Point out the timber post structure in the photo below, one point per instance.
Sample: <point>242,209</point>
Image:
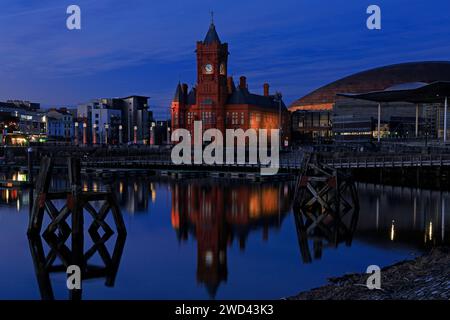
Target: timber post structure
<point>326,207</point>
<point>58,231</point>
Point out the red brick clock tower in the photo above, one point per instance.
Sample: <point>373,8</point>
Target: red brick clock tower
<point>218,103</point>
<point>211,97</point>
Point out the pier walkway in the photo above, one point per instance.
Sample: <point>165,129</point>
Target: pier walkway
<point>390,161</point>
<point>288,162</point>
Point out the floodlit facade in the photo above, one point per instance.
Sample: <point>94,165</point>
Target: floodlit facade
<point>218,103</point>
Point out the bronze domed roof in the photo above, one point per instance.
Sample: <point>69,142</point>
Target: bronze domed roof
<point>375,80</point>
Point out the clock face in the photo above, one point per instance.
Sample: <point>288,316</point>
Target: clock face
<point>209,68</point>
<point>223,69</point>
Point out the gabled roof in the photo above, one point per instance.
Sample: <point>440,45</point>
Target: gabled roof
<point>211,36</point>
<point>243,96</point>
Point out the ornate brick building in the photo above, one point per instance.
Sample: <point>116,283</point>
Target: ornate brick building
<point>218,103</point>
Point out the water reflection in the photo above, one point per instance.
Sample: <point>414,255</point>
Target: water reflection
<point>218,213</point>
<point>74,225</point>
<point>132,194</point>
<point>217,216</point>
<point>324,231</point>
<point>411,217</point>
<point>14,198</point>
<point>45,261</point>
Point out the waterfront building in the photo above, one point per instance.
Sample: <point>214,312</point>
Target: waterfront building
<point>311,126</point>
<point>105,123</point>
<point>22,122</point>
<point>218,103</point>
<point>420,97</point>
<point>136,119</point>
<point>125,120</point>
<point>60,124</point>
<point>356,120</point>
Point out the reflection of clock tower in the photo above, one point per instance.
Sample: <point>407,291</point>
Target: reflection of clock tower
<point>212,58</point>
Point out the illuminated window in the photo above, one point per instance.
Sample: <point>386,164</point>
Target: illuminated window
<point>209,258</point>
<point>234,119</point>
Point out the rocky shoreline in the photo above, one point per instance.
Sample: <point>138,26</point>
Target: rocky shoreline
<point>424,278</point>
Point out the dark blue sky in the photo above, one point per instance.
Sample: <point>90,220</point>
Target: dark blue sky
<point>144,47</point>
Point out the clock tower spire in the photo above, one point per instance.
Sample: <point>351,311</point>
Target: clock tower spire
<point>212,61</point>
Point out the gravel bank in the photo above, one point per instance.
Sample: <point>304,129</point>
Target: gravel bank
<point>424,278</point>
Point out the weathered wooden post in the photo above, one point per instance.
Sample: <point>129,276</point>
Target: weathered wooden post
<point>323,197</point>
<point>77,204</point>
<point>41,191</point>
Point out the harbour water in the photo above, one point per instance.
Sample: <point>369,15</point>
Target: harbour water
<point>225,239</point>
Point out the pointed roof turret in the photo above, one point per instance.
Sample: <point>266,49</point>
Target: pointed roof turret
<point>178,94</point>
<point>212,36</point>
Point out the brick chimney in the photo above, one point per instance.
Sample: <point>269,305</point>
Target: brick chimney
<point>230,85</point>
<point>243,82</point>
<point>266,89</point>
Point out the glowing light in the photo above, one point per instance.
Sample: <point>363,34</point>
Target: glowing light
<point>153,192</point>
<point>209,258</point>
<point>430,231</point>
<point>175,219</point>
<point>20,177</point>
<point>393,230</point>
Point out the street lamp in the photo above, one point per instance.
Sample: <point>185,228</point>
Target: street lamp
<point>106,133</point>
<point>94,134</point>
<point>84,133</point>
<point>5,133</point>
<point>168,135</point>
<point>30,164</point>
<point>76,133</point>
<point>120,134</point>
<point>135,134</point>
<point>152,134</point>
